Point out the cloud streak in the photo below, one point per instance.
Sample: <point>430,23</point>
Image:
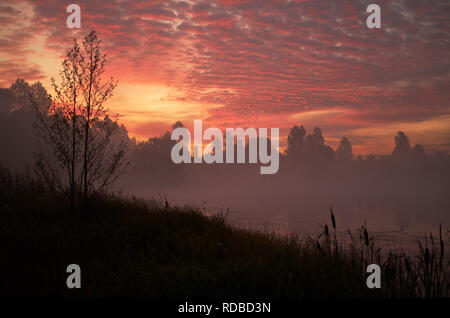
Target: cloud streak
<point>260,62</point>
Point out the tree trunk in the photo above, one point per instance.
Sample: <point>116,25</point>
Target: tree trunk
<point>86,138</point>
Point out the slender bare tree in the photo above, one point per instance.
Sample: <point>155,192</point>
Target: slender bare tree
<point>87,142</point>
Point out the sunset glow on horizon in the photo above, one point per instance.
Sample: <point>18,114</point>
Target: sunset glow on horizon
<point>254,64</point>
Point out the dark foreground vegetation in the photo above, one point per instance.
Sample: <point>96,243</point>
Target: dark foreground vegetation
<point>128,247</point>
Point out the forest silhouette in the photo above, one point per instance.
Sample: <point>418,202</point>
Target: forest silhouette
<point>68,153</point>
<point>411,182</point>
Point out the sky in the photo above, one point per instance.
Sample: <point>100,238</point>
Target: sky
<point>254,63</point>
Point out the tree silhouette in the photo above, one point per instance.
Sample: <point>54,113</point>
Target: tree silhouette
<point>151,160</point>
<point>418,152</point>
<point>17,141</point>
<point>370,158</point>
<point>95,93</point>
<point>6,100</point>
<point>296,141</point>
<point>402,149</point>
<point>20,92</point>
<point>344,150</point>
<point>68,99</point>
<point>78,128</point>
<point>315,145</point>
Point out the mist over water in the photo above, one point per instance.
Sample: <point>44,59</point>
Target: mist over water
<point>399,200</point>
<point>399,196</point>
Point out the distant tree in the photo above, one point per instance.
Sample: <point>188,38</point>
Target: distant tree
<point>20,91</point>
<point>344,150</point>
<point>315,145</point>
<point>152,163</point>
<point>315,141</point>
<point>81,132</point>
<point>156,150</point>
<point>402,149</point>
<point>16,123</point>
<point>418,152</point>
<point>95,94</point>
<point>258,140</point>
<point>296,141</point>
<point>6,100</point>
<point>370,158</point>
<point>177,124</point>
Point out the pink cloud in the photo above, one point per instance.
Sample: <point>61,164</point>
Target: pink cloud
<point>273,58</point>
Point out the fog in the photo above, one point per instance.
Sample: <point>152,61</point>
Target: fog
<point>387,195</point>
<point>406,191</point>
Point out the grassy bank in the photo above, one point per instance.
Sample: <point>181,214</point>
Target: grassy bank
<point>126,247</point>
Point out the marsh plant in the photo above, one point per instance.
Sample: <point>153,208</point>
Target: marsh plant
<point>130,247</point>
<point>421,274</point>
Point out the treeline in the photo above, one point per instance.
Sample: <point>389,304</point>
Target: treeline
<point>311,174</point>
<point>151,160</point>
